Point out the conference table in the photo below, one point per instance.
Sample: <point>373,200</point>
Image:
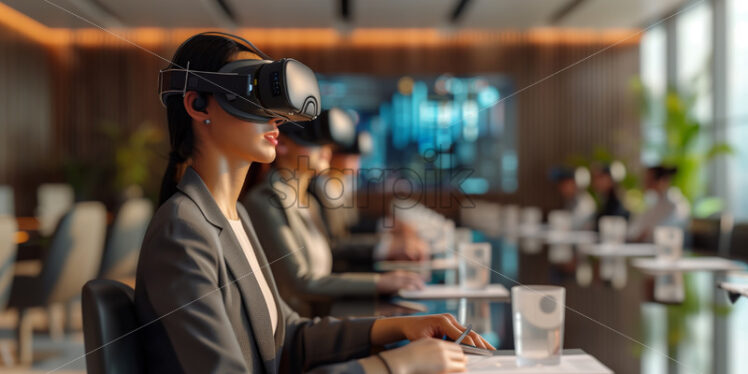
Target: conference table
<point>624,329</point>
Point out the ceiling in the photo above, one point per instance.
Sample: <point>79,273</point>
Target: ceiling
<point>482,14</point>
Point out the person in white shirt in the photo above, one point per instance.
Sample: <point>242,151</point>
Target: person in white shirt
<point>665,205</point>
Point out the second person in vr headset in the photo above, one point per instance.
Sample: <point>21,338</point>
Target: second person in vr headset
<point>205,297</point>
<point>358,240</point>
<point>293,229</point>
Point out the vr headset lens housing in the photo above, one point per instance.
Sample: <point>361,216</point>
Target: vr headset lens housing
<point>252,90</point>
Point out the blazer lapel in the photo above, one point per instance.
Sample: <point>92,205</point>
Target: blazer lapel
<point>193,186</point>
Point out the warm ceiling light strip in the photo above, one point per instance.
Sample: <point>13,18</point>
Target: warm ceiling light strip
<point>150,37</point>
<point>30,28</point>
<point>584,36</point>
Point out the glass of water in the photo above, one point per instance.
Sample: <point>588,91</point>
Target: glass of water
<point>474,265</point>
<point>538,320</point>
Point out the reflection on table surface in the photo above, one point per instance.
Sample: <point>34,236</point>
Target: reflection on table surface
<point>623,328</point>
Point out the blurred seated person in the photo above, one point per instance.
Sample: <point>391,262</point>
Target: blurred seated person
<point>577,200</point>
<point>607,193</point>
<point>292,234</point>
<point>665,205</point>
<point>335,191</point>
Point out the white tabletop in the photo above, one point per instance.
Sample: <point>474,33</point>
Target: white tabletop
<point>620,250</point>
<point>735,289</point>
<point>658,266</point>
<point>440,291</point>
<point>577,363</point>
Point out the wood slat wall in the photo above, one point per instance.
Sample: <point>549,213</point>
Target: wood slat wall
<point>26,117</point>
<point>565,106</point>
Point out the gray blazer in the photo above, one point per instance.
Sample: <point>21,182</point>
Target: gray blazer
<point>286,235</point>
<point>198,301</point>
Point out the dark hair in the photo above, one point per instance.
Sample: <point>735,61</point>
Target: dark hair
<point>202,52</point>
<point>660,172</point>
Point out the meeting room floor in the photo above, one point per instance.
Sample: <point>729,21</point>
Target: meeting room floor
<point>59,356</point>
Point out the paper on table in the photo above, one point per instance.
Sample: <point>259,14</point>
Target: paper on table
<point>436,264</point>
<point>577,364</point>
<point>435,292</point>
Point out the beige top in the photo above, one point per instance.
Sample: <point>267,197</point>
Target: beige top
<point>320,257</point>
<point>241,235</point>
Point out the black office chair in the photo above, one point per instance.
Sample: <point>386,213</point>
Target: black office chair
<point>109,329</point>
<point>739,242</point>
<point>703,235</point>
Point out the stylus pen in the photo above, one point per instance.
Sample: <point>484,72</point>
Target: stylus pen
<point>464,334</point>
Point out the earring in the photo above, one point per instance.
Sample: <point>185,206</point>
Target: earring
<point>207,122</point>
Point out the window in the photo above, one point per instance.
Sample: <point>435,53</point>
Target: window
<point>737,125</point>
<point>694,28</point>
<point>654,77</point>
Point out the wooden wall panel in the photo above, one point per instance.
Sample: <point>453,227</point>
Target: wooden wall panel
<point>25,117</point>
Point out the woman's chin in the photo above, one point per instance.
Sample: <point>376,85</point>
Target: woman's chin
<point>267,157</point>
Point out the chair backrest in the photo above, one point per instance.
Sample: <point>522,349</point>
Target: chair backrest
<point>703,234</point>
<point>126,235</point>
<point>8,248</point>
<point>7,207</point>
<point>53,201</point>
<point>109,329</point>
<point>74,256</point>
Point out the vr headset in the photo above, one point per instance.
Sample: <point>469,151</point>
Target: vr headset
<point>252,90</point>
<point>333,126</point>
<point>363,145</point>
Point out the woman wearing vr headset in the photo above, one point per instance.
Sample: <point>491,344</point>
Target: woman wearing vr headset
<point>204,295</point>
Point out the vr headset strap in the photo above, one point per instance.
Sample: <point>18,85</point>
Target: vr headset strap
<point>178,81</point>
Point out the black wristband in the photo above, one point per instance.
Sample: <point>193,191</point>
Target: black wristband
<point>386,364</point>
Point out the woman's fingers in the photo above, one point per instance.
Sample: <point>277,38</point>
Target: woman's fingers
<point>453,330</point>
<point>473,337</point>
<point>486,344</point>
<point>457,363</point>
<point>479,341</point>
<point>451,346</point>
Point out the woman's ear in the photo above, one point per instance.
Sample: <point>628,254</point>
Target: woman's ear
<point>196,106</point>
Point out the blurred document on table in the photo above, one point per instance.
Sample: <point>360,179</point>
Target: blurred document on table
<point>435,292</point>
<point>581,363</point>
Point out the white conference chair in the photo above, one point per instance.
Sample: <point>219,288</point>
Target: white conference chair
<point>123,247</point>
<point>53,200</point>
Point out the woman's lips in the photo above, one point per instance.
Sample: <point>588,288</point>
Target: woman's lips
<point>272,138</point>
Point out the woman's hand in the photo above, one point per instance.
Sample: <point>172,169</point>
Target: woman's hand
<point>394,281</point>
<point>388,330</point>
<point>426,356</point>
